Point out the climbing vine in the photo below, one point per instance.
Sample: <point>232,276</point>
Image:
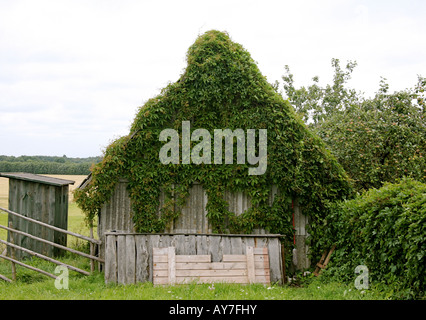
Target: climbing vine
<point>221,87</point>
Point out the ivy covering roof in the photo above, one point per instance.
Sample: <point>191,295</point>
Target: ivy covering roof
<point>220,88</point>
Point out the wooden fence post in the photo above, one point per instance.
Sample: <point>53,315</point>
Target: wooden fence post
<point>92,252</point>
<point>12,252</point>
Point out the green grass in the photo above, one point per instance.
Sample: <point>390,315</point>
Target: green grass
<point>31,285</point>
<point>94,288</point>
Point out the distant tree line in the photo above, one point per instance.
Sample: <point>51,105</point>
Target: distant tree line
<point>47,164</point>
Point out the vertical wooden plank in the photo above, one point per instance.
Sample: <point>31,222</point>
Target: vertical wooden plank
<point>130,259</point>
<point>123,215</point>
<point>226,245</point>
<point>207,224</point>
<point>50,215</point>
<point>111,259</point>
<point>171,256</point>
<point>202,245</point>
<point>283,274</point>
<point>142,255</point>
<point>191,244</point>
<point>116,206</point>
<point>180,244</point>
<point>250,241</point>
<point>236,245</point>
<point>214,248</point>
<point>275,263</point>
<point>38,230</point>
<point>29,204</point>
<point>193,210</point>
<point>64,214</point>
<point>166,241</point>
<point>41,207</point>
<point>250,265</point>
<point>13,206</point>
<point>121,259</point>
<point>152,242</point>
<point>26,225</point>
<point>261,242</point>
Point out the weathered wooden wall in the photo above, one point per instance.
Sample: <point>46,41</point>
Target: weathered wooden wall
<point>117,215</point>
<point>41,201</point>
<point>194,213</point>
<point>301,221</point>
<point>128,256</point>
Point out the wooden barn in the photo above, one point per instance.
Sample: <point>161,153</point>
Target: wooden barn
<point>212,206</point>
<point>42,198</point>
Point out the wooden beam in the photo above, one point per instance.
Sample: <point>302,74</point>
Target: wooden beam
<point>5,278</point>
<point>28,266</point>
<point>45,257</point>
<point>248,235</point>
<point>52,227</point>
<point>323,263</point>
<point>54,244</point>
<point>329,256</point>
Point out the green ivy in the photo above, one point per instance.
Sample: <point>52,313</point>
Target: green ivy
<point>220,88</point>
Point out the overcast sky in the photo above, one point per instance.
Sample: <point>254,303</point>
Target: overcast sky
<point>73,73</point>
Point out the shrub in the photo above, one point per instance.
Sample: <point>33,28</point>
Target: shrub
<point>383,229</point>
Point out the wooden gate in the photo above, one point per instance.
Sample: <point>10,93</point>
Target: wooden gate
<point>14,247</point>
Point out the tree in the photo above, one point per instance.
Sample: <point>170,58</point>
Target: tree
<point>315,103</point>
<point>376,140</point>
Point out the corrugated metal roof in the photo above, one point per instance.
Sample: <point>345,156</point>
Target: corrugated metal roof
<point>36,178</point>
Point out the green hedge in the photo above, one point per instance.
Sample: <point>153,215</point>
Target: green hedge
<point>383,229</point>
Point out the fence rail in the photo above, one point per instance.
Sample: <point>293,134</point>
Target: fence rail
<point>94,241</point>
<point>10,244</point>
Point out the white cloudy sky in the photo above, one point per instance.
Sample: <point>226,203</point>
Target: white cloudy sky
<point>72,73</point>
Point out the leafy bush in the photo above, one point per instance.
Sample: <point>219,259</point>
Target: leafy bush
<point>383,229</point>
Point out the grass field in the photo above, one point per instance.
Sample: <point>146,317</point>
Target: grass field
<point>34,286</point>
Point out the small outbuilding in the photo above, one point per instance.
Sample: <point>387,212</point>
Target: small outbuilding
<point>41,198</point>
<point>219,151</point>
